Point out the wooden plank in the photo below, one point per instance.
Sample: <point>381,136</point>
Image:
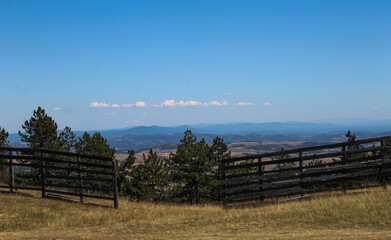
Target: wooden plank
<point>21,164</point>
<point>81,163</point>
<point>17,149</point>
<point>94,157</point>
<point>77,194</point>
<point>82,178</point>
<point>77,187</point>
<point>268,194</point>
<point>28,188</point>
<point>264,177</point>
<point>59,168</point>
<point>29,150</point>
<point>347,166</point>
<point>70,199</point>
<point>75,169</point>
<point>254,185</point>
<point>238,166</point>
<point>16,157</point>
<point>53,160</point>
<point>239,175</point>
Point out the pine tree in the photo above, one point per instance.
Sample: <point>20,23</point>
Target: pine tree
<point>3,138</point>
<point>3,143</point>
<point>40,133</point>
<point>130,177</point>
<point>123,171</point>
<point>220,149</point>
<point>155,176</point>
<point>192,170</point>
<point>94,145</point>
<point>41,130</point>
<point>66,140</point>
<point>144,181</point>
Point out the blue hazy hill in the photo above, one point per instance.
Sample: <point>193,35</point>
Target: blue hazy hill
<point>147,136</point>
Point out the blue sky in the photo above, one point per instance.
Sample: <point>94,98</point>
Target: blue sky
<point>112,64</point>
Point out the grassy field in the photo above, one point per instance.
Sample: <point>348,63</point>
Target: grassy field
<point>361,216</point>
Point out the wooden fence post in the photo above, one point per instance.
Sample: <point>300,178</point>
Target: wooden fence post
<point>79,180</point>
<point>383,151</point>
<point>11,170</point>
<point>260,181</point>
<point>224,185</point>
<point>301,171</point>
<point>43,176</point>
<point>343,160</point>
<point>115,187</point>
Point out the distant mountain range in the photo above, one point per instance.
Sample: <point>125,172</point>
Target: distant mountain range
<point>147,136</point>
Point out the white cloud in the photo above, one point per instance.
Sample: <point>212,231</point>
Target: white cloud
<point>244,104</point>
<point>115,106</point>
<point>217,103</point>
<point>267,104</point>
<point>127,105</point>
<point>168,103</point>
<point>173,103</point>
<point>57,108</point>
<point>98,105</point>
<point>140,104</point>
<point>137,104</point>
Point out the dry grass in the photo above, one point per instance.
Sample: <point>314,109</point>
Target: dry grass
<point>362,216</point>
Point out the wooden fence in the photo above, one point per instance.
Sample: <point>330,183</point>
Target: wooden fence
<point>59,174</point>
<point>296,172</point>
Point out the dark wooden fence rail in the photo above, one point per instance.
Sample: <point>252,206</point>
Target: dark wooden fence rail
<point>56,174</point>
<point>296,172</point>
